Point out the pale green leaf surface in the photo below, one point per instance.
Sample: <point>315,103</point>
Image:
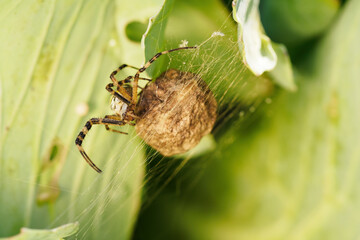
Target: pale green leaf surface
<point>155,37</point>
<point>282,74</point>
<point>48,234</point>
<point>127,13</point>
<point>56,58</point>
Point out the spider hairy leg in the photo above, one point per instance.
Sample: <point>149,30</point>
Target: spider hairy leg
<point>121,68</point>
<point>114,130</point>
<point>105,121</point>
<point>116,83</point>
<point>156,56</point>
<point>115,117</point>
<point>127,80</point>
<point>125,98</point>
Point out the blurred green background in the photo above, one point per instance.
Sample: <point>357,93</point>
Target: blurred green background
<point>279,164</point>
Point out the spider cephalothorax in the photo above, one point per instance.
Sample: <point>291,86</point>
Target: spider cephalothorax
<point>181,129</point>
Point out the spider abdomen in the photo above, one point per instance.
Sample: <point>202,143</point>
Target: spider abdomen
<point>175,112</point>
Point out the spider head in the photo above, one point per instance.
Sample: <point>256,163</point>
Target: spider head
<point>119,107</point>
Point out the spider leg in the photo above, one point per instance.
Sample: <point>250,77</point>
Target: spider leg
<point>136,77</point>
<point>115,117</point>
<point>127,80</point>
<point>85,130</point>
<point>114,130</point>
<point>121,68</point>
<point>112,75</point>
<point>126,97</point>
<point>123,96</point>
<point>132,115</point>
<point>118,86</point>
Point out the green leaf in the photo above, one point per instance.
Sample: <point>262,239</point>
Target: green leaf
<point>50,234</point>
<point>155,37</point>
<point>56,58</point>
<point>282,74</point>
<point>298,172</point>
<point>293,22</point>
<point>295,173</point>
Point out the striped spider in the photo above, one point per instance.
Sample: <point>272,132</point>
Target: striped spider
<point>124,103</point>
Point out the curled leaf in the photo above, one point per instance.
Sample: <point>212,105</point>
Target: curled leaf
<point>46,234</point>
<point>259,52</point>
<point>257,49</point>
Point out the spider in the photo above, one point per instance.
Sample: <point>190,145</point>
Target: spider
<point>124,103</point>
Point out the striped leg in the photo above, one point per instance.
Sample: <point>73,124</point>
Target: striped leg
<point>112,75</point>
<point>85,130</point>
<point>124,96</point>
<point>127,80</point>
<point>118,86</point>
<point>114,130</point>
<point>136,77</point>
<point>115,117</point>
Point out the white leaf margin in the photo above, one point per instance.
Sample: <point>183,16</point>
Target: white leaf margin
<point>46,234</point>
<point>260,54</point>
